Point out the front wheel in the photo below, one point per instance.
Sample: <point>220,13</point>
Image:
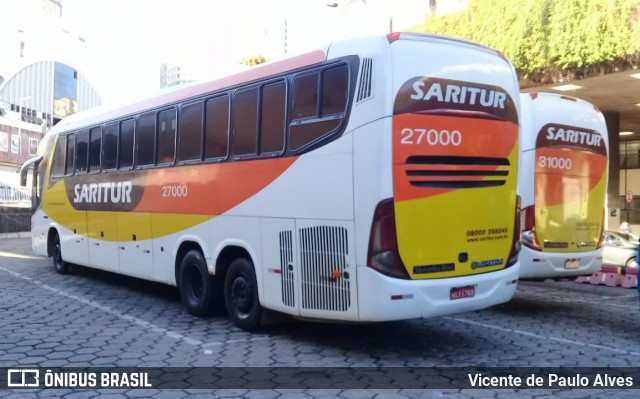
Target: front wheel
<point>241,295</point>
<point>632,263</point>
<point>59,265</point>
<point>195,285</point>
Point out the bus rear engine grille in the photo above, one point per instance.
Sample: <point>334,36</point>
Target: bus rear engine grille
<point>454,172</point>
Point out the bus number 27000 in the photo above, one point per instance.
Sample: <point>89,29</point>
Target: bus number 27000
<point>175,191</point>
<point>431,137</point>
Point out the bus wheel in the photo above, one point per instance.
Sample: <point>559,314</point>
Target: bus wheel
<point>241,295</point>
<point>60,266</point>
<point>194,284</point>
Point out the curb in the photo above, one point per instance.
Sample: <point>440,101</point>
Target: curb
<point>22,234</point>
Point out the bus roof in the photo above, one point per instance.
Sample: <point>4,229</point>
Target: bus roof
<point>173,95</point>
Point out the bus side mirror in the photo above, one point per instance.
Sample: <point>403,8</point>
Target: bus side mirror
<point>24,170</point>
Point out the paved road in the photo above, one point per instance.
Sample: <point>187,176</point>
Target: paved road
<point>93,318</point>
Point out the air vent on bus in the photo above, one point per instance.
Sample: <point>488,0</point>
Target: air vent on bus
<point>451,172</point>
<point>323,260</point>
<point>365,89</point>
<point>286,267</point>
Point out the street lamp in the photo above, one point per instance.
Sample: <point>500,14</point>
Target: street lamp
<point>20,129</point>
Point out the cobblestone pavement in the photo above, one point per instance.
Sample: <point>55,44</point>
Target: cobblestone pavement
<point>97,319</point>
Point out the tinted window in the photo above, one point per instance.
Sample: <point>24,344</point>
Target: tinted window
<point>217,127</point>
<point>335,90</point>
<point>245,122</point>
<point>82,151</point>
<point>125,146</point>
<point>110,146</point>
<point>146,139</point>
<point>95,144</point>
<point>272,125</point>
<point>57,168</point>
<point>312,121</point>
<point>190,130</point>
<point>166,136</point>
<point>71,154</point>
<point>305,96</point>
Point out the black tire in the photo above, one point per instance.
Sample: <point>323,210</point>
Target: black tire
<point>241,295</point>
<point>59,265</point>
<point>630,262</point>
<point>195,285</point>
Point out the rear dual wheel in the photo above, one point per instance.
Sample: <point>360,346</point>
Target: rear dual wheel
<point>197,288</point>
<point>241,295</point>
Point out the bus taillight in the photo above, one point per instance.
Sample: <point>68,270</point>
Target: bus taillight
<point>515,243</point>
<point>529,234</point>
<point>383,242</point>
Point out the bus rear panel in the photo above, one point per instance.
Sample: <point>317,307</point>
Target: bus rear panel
<point>454,210</point>
<point>563,186</point>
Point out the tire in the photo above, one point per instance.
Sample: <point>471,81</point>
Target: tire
<point>195,285</point>
<point>631,263</point>
<point>59,265</point>
<point>241,295</point>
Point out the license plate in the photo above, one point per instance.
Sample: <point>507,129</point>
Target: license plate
<point>572,263</point>
<point>462,292</point>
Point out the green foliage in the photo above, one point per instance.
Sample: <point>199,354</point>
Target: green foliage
<point>540,34</point>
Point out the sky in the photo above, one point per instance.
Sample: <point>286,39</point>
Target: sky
<point>128,40</point>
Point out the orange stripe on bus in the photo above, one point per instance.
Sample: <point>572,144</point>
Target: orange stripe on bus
<point>211,189</point>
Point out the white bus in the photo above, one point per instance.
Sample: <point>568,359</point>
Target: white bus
<point>372,180</point>
<point>563,184</point>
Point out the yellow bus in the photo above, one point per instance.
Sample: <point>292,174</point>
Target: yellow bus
<point>371,180</point>
<point>563,185</point>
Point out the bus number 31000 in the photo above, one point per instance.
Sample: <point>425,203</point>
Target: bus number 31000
<point>174,191</point>
<point>430,137</point>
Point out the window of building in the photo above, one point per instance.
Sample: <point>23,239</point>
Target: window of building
<point>190,132</point>
<point>272,121</point>
<point>146,139</point>
<point>245,122</point>
<point>82,151</point>
<point>629,154</point>
<point>167,136</point>
<point>110,146</point>
<point>57,167</point>
<point>69,163</point>
<point>313,119</point>
<point>95,147</point>
<point>125,146</point>
<point>217,127</point>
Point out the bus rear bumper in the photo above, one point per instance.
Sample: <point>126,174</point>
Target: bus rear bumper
<point>535,264</point>
<point>383,298</point>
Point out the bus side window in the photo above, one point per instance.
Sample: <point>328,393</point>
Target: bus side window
<point>217,127</point>
<point>245,122</point>
<point>313,119</point>
<point>190,132</point>
<point>110,146</point>
<point>166,136</point>
<point>82,151</point>
<point>95,146</point>
<point>335,90</point>
<point>125,146</point>
<point>146,139</point>
<point>272,125</point>
<point>57,167</point>
<point>69,163</point>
